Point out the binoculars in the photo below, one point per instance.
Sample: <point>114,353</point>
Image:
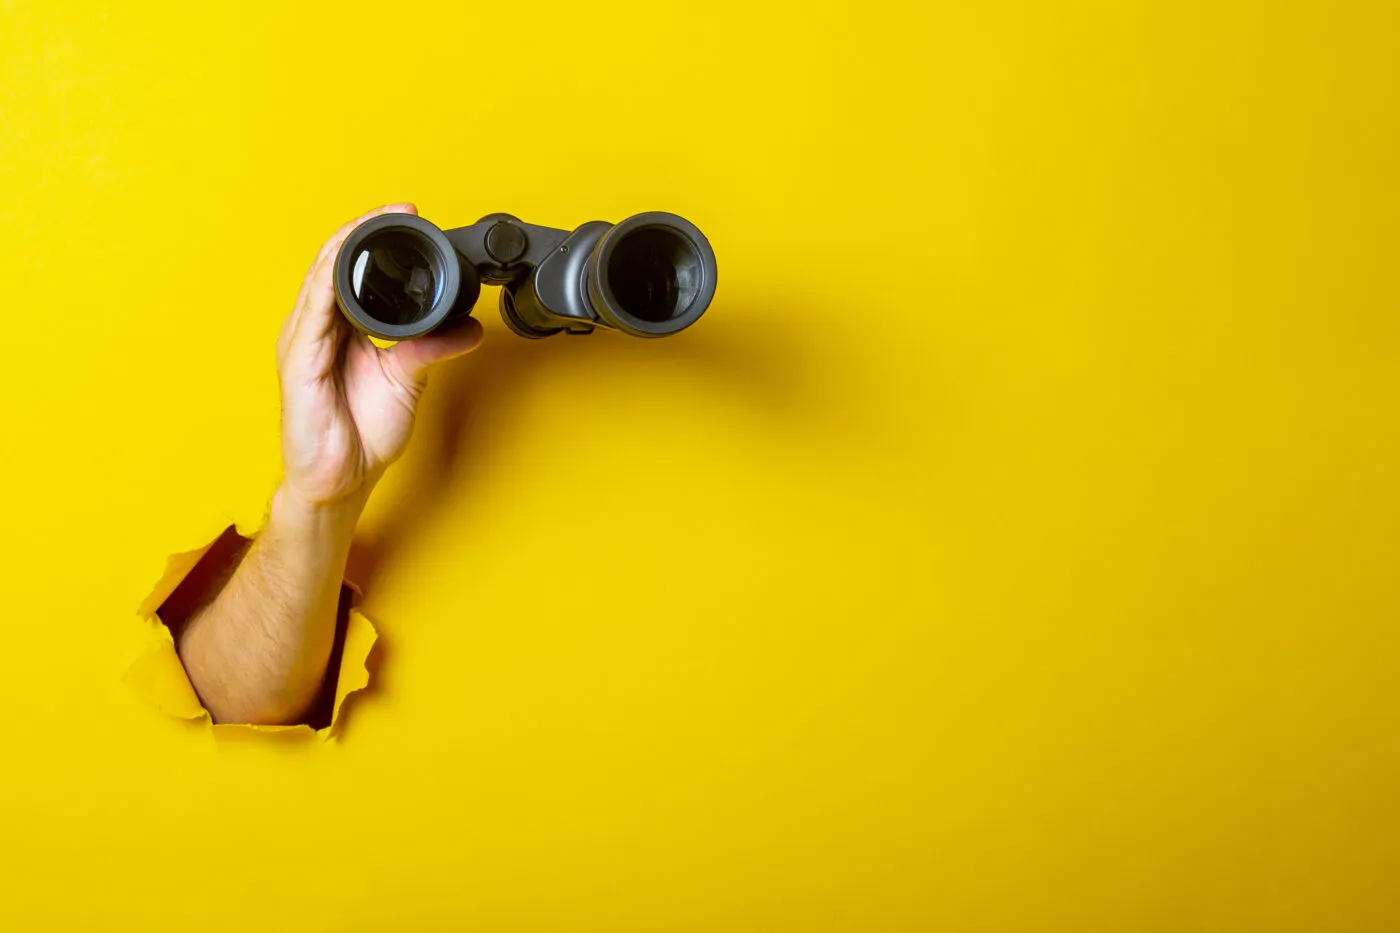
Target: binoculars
<point>398,277</point>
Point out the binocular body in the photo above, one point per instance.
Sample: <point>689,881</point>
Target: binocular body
<point>397,276</point>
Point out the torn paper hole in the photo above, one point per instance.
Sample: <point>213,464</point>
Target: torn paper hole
<point>159,676</point>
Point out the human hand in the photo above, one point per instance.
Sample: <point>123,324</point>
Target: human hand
<point>347,405</point>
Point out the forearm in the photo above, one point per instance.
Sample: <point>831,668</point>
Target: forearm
<point>257,650</point>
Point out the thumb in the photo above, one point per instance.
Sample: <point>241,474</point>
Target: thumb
<point>414,357</point>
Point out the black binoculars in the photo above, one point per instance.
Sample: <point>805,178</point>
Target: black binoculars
<point>398,277</point>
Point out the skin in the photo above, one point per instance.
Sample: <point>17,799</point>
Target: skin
<point>256,651</point>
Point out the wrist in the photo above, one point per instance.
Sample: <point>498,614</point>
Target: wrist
<point>293,511</point>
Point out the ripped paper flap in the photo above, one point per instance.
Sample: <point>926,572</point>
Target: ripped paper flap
<point>159,676</point>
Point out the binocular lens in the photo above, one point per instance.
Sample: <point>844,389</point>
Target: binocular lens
<point>392,275</point>
<point>654,273</point>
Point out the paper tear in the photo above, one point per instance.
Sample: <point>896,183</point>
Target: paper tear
<point>159,676</point>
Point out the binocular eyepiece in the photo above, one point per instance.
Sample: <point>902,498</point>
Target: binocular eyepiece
<point>398,277</point>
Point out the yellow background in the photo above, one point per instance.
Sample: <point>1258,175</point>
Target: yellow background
<point>1011,547</point>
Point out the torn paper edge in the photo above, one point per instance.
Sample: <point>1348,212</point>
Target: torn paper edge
<point>159,676</point>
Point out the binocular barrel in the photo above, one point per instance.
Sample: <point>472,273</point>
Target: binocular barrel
<point>397,276</point>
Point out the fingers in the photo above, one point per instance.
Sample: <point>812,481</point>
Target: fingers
<point>317,292</point>
<point>412,358</point>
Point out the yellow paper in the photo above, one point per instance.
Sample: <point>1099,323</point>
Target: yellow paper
<point>1012,546</point>
<point>159,676</point>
